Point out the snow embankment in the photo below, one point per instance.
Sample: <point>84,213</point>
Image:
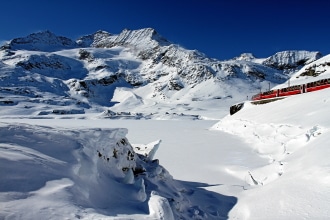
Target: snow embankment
<point>293,134</point>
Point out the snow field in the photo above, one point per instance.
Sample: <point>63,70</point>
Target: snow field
<point>292,134</point>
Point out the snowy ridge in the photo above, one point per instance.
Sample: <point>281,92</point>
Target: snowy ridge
<point>41,41</point>
<point>320,67</point>
<point>291,61</point>
<point>143,38</point>
<point>245,57</point>
<point>93,39</point>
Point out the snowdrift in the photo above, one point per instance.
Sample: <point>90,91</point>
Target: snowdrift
<point>58,173</point>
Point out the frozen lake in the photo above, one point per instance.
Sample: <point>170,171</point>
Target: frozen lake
<point>189,150</point>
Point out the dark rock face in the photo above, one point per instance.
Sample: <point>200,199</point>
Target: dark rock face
<point>85,55</point>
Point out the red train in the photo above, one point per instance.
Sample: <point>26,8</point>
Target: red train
<point>288,91</point>
<point>293,90</point>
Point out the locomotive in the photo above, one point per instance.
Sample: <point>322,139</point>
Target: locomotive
<point>276,94</point>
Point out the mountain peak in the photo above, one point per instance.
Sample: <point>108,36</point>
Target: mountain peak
<point>41,41</point>
<point>245,57</point>
<point>291,59</point>
<point>142,38</point>
<point>146,37</point>
<point>93,39</point>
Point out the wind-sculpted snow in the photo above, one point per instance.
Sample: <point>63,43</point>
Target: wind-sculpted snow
<point>58,173</point>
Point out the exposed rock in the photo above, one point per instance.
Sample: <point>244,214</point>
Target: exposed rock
<point>85,55</point>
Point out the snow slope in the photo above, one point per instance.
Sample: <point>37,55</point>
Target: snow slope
<point>292,134</point>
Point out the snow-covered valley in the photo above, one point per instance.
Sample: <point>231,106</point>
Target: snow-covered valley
<point>92,131</point>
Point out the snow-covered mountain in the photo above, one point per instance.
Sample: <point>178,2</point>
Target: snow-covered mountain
<point>291,61</point>
<point>105,70</point>
<point>41,41</point>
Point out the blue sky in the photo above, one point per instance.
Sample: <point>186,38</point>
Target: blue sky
<point>220,29</point>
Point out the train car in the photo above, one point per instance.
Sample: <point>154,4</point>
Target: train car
<point>292,90</point>
<point>318,85</point>
<point>265,95</point>
<point>288,91</point>
<point>256,97</point>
